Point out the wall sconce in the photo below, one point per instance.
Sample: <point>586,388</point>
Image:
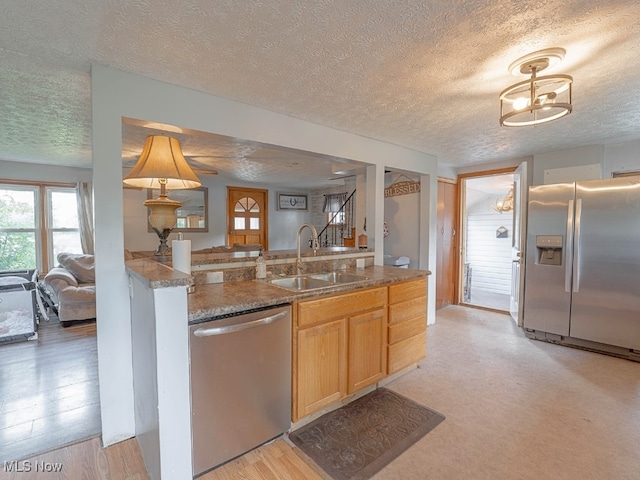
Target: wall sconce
<point>162,165</point>
<point>539,99</point>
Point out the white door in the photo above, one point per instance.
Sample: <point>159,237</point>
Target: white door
<point>520,188</point>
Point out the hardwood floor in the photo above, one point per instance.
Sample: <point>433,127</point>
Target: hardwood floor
<point>49,390</point>
<point>123,461</point>
<point>82,461</point>
<point>274,461</point>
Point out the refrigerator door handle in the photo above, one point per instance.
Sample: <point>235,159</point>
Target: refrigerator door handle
<point>576,248</point>
<point>569,248</point>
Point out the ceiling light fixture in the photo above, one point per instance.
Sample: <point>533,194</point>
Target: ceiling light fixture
<point>162,165</point>
<point>504,205</point>
<point>539,99</point>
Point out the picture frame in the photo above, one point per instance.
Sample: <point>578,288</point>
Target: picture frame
<point>292,201</point>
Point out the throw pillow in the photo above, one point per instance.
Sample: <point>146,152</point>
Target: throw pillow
<point>81,266</point>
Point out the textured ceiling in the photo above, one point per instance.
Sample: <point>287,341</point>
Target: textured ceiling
<point>422,74</point>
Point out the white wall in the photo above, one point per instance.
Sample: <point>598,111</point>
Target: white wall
<point>43,173</point>
<point>282,223</point>
<point>621,157</point>
<point>400,215</point>
<point>117,94</point>
<point>572,157</point>
<point>145,376</point>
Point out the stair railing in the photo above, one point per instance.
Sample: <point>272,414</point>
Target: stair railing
<point>340,230</point>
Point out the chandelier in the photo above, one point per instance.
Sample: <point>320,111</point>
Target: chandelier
<point>541,98</point>
<point>504,205</point>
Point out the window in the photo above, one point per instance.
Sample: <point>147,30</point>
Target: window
<point>336,219</point>
<point>19,227</point>
<point>63,232</point>
<point>36,223</point>
<point>246,208</point>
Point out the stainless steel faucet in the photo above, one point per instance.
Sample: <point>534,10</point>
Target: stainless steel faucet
<point>315,243</point>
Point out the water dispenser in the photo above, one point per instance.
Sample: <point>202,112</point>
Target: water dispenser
<point>549,249</point>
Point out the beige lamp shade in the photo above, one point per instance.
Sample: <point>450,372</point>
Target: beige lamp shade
<point>161,162</point>
<point>162,165</point>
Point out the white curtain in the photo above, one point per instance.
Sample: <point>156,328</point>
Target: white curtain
<point>333,202</point>
<point>85,215</point>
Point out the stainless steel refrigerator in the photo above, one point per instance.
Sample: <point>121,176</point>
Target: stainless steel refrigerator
<point>582,276</point>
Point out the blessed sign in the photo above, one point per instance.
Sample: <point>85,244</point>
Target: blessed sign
<point>402,188</point>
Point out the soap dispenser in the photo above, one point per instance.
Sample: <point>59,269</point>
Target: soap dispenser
<point>261,266</point>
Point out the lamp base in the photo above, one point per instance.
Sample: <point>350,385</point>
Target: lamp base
<point>162,248</point>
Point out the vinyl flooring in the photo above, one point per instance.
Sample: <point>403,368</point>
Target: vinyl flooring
<point>49,390</point>
<point>487,299</point>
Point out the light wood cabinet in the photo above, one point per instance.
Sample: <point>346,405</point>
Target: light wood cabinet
<point>367,352</point>
<point>346,342</point>
<point>321,366</point>
<point>339,347</point>
<point>407,334</point>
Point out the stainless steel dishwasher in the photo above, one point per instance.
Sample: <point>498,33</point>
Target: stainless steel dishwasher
<point>240,384</point>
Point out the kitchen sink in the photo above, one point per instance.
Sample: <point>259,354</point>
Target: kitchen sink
<point>339,277</point>
<point>313,281</point>
<point>300,283</point>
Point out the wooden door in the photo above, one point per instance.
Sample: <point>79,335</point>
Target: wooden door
<point>247,219</point>
<point>447,243</point>
<point>367,349</point>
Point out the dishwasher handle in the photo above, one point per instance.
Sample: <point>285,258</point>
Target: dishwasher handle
<point>209,332</point>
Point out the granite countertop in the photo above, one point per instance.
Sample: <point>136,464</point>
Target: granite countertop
<point>155,274</point>
<point>217,299</point>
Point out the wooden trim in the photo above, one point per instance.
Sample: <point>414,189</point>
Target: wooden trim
<point>487,173</point>
<point>38,184</point>
<point>448,180</point>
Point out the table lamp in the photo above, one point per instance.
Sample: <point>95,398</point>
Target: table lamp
<point>162,165</point>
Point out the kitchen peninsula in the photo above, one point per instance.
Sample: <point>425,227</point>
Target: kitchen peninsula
<point>384,312</point>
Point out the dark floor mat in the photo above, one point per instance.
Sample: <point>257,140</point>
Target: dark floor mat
<point>356,441</point>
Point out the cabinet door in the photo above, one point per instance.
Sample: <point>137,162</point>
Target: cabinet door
<point>321,366</point>
<point>367,349</point>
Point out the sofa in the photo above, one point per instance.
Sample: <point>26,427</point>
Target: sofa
<point>72,284</point>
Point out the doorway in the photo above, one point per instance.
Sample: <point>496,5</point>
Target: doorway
<point>247,216</point>
<point>486,210</point>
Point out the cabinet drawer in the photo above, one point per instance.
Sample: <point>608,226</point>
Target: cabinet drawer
<point>403,330</point>
<point>406,310</point>
<point>401,292</point>
<point>406,352</point>
<point>339,306</point>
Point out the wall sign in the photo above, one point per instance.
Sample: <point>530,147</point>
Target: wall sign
<point>402,187</point>
<point>292,201</point>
